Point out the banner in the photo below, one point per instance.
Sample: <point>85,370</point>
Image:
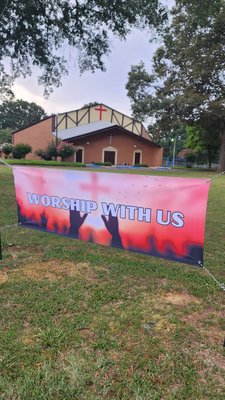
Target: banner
<point>159,216</point>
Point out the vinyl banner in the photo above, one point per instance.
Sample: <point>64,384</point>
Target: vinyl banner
<point>159,216</point>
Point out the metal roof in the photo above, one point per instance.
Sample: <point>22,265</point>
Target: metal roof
<point>83,129</point>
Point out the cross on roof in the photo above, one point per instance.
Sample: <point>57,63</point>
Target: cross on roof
<point>100,109</point>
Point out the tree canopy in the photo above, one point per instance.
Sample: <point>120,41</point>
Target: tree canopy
<point>5,135</point>
<point>18,114</point>
<point>36,33</point>
<point>187,84</point>
<point>90,104</point>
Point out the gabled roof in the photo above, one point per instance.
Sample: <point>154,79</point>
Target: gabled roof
<point>92,119</point>
<point>99,113</point>
<point>83,129</point>
<point>99,127</point>
<point>35,123</point>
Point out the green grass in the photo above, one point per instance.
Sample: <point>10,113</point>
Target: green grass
<point>44,163</point>
<point>81,321</point>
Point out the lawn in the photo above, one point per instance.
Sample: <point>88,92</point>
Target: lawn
<point>81,321</point>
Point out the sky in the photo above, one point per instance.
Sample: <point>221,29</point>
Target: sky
<point>104,87</point>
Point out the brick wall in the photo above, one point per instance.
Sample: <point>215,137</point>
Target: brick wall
<point>125,145</point>
<point>37,135</point>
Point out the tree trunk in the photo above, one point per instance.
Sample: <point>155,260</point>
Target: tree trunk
<point>222,153</point>
<point>209,156</point>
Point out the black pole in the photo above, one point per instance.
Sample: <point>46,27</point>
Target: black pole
<point>56,131</point>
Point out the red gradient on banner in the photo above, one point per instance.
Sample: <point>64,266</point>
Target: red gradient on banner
<point>156,215</point>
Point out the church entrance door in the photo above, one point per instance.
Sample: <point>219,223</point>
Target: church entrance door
<point>78,156</point>
<point>110,156</point>
<point>137,158</point>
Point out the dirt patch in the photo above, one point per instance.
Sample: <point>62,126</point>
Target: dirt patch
<point>156,311</point>
<point>162,282</point>
<point>28,338</point>
<point>160,300</point>
<point>116,355</point>
<point>86,333</point>
<point>3,277</point>
<point>113,304</point>
<point>54,270</point>
<point>213,334</point>
<point>212,359</point>
<point>179,299</point>
<point>211,363</point>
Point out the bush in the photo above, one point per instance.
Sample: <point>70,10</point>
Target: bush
<point>65,149</point>
<point>141,165</point>
<point>39,152</point>
<point>20,150</point>
<point>51,150</point>
<point>7,149</point>
<point>105,164</point>
<point>43,154</point>
<point>48,153</point>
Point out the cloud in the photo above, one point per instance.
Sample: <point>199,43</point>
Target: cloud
<point>105,87</point>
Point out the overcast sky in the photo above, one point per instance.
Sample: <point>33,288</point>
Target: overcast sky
<point>104,87</point>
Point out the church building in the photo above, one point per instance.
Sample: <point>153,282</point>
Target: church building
<point>98,133</point>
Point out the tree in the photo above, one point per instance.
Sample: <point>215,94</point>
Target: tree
<point>170,140</point>
<point>187,83</point>
<point>5,135</point>
<point>91,104</point>
<point>203,143</point>
<point>5,84</point>
<point>34,32</point>
<point>189,155</point>
<point>141,92</point>
<point>18,114</point>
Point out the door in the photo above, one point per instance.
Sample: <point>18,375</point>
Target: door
<point>109,156</point>
<point>79,155</point>
<point>137,158</point>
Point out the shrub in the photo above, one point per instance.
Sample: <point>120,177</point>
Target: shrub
<point>7,149</point>
<point>65,149</point>
<point>39,152</point>
<point>20,150</point>
<point>141,165</point>
<point>106,163</point>
<point>51,150</point>
<point>43,154</point>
